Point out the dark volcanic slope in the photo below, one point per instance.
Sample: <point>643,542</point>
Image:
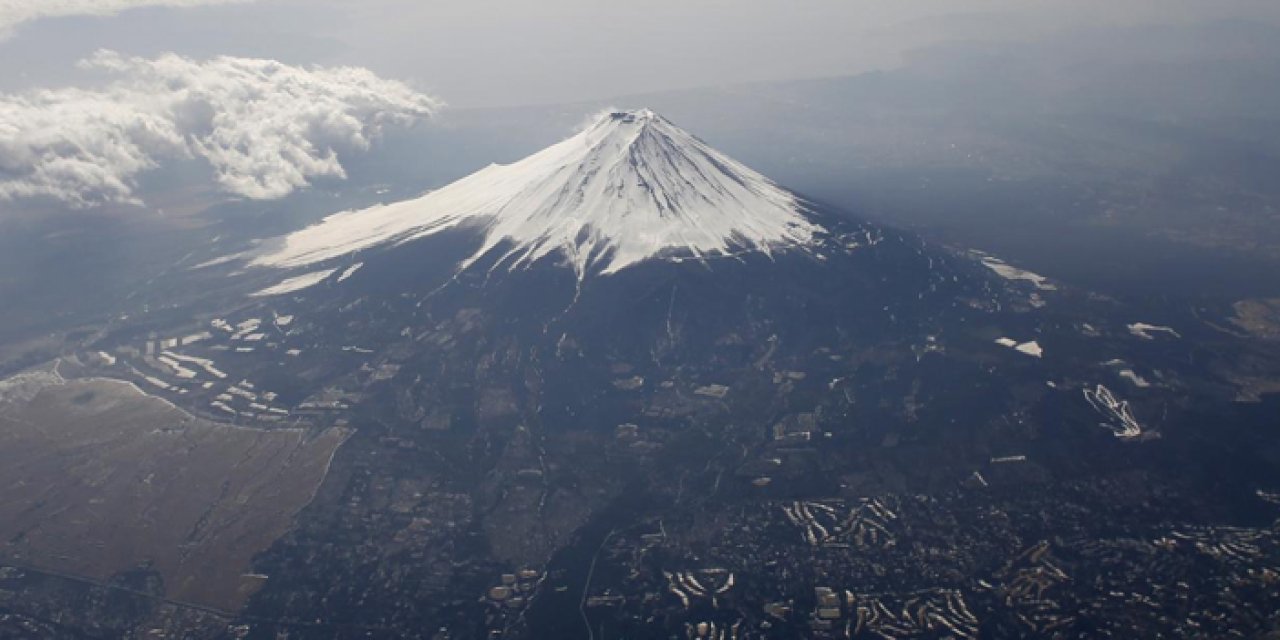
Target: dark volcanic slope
<point>517,420</point>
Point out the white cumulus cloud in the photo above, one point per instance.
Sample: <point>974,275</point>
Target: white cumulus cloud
<point>16,12</point>
<point>265,128</point>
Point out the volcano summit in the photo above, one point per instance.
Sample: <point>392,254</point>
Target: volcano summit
<point>629,188</point>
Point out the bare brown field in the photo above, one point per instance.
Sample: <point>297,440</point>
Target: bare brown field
<point>1261,318</point>
<point>97,477</point>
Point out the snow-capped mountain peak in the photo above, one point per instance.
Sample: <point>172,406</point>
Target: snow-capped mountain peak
<point>628,188</point>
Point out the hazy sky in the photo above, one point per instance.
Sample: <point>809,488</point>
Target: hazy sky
<point>501,53</point>
<point>271,95</point>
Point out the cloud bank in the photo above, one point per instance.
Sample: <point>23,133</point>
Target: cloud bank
<point>16,12</point>
<point>265,128</point>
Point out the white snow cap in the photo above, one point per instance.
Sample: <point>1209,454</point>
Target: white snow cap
<point>629,188</point>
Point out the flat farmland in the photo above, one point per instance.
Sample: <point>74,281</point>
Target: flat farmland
<point>98,478</point>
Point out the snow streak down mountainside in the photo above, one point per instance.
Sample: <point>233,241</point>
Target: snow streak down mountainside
<point>629,188</point>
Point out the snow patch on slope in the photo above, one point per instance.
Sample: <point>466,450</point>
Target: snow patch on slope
<point>350,271</point>
<point>1031,348</point>
<point>1010,272</point>
<point>296,283</point>
<point>1116,412</point>
<point>629,188</point>
<point>1147,331</point>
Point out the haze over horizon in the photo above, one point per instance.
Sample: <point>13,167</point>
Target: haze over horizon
<point>76,77</point>
<point>490,53</point>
